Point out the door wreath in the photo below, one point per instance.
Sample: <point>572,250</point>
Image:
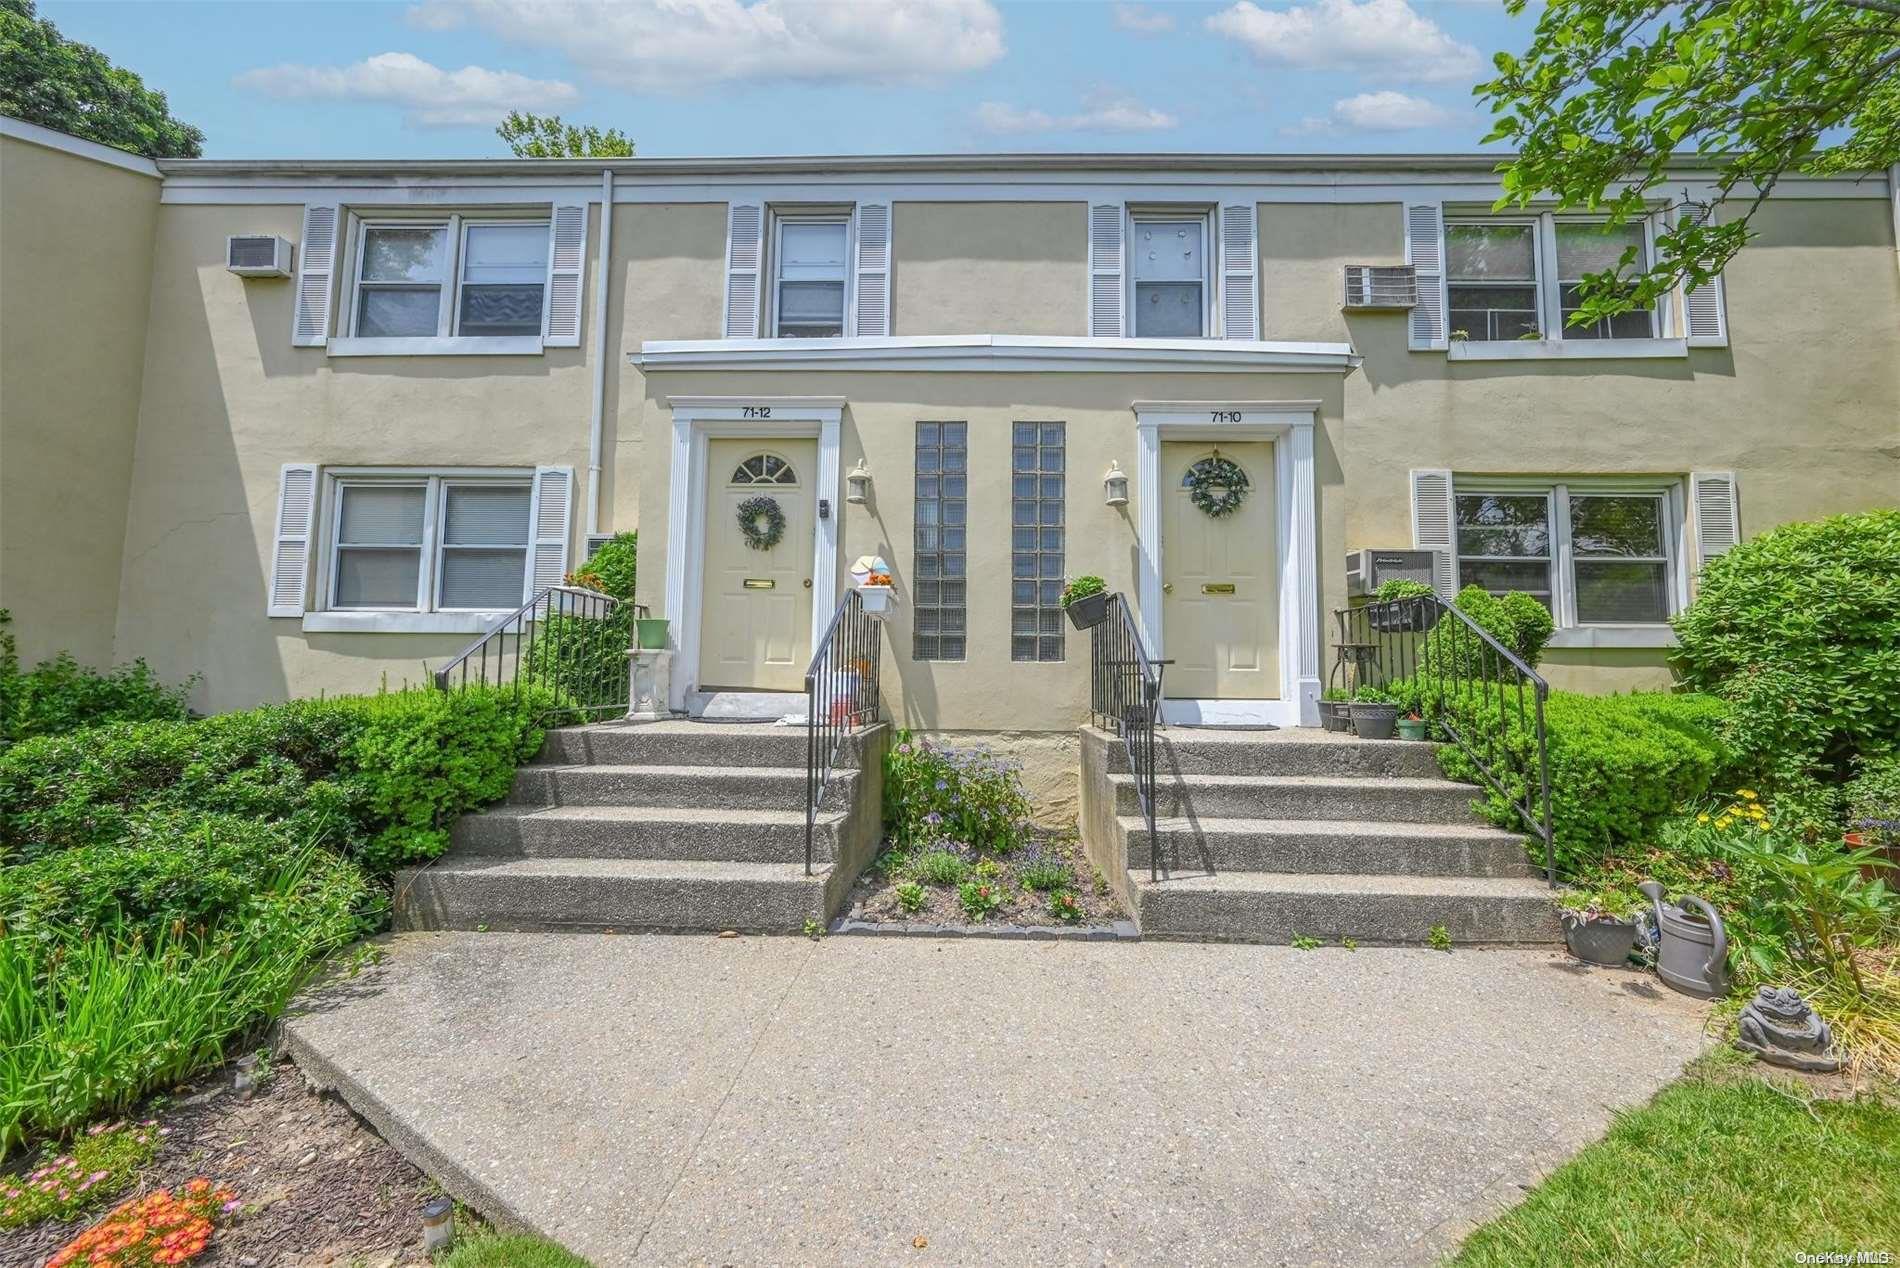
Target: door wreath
<point>762,522</point>
<point>1217,486</point>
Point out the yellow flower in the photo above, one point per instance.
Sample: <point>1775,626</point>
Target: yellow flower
<point>1746,794</point>
<point>1702,818</point>
<point>1722,822</point>
<point>1763,826</point>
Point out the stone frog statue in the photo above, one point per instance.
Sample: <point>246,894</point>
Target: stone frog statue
<point>1783,1029</point>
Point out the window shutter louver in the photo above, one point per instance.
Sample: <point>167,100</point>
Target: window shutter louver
<point>745,239</point>
<point>547,554</point>
<point>1105,271</point>
<point>316,267</point>
<point>874,269</point>
<point>567,253</point>
<point>290,547</point>
<point>1425,252</point>
<point>1433,529</point>
<point>1718,514</point>
<point>1704,312</point>
<point>1239,266</point>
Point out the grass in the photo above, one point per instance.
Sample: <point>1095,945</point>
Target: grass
<point>487,1249</point>
<point>1721,1168</point>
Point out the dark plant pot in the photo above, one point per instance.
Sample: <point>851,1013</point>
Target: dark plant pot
<point>652,631</point>
<point>1374,721</point>
<point>1333,717</point>
<point>1411,728</point>
<point>1088,611</point>
<point>1871,870</point>
<point>1600,941</point>
<point>1405,616</point>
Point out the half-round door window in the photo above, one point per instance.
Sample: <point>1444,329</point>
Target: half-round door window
<point>764,468</point>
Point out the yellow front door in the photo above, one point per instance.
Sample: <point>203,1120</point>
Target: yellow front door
<point>755,610</point>
<point>1220,592</point>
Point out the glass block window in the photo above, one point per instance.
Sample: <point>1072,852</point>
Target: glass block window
<point>940,541</point>
<point>1037,461</point>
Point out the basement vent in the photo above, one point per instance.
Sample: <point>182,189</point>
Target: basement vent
<point>257,255</point>
<point>1381,286</point>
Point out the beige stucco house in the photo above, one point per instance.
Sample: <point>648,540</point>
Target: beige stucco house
<point>300,427</point>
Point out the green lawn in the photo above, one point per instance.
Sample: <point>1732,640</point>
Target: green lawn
<point>485,1249</point>
<point>1719,1169</point>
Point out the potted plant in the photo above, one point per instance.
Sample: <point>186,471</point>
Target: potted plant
<point>1600,924</point>
<point>1397,607</point>
<point>1085,599</point>
<point>1374,713</point>
<point>1411,726</point>
<point>1333,706</point>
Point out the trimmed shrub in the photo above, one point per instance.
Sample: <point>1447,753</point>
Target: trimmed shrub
<point>612,568</point>
<point>61,694</point>
<point>1798,630</point>
<point>1516,620</point>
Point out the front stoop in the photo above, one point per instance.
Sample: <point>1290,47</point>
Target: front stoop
<point>671,825</point>
<point>1267,836</point>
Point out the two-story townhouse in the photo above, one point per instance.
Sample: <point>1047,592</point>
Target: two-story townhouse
<point>459,373</point>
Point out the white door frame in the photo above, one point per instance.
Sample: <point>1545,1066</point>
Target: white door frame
<point>1289,425</point>
<point>696,419</point>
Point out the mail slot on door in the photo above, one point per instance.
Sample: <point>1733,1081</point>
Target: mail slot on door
<point>1218,587</point>
<point>760,583</point>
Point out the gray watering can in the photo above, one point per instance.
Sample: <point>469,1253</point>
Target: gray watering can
<point>1691,951</point>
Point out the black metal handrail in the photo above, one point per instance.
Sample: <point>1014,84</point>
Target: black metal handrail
<point>1125,696</point>
<point>570,640</point>
<point>1455,661</point>
<point>841,695</point>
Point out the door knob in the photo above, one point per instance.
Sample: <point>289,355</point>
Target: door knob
<point>808,583</point>
<point>1167,587</point>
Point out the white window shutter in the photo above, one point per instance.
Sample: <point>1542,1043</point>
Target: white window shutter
<point>873,287</point>
<point>745,245</point>
<point>1239,266</point>
<point>567,253</point>
<point>1704,310</point>
<point>1105,270</point>
<point>316,269</point>
<point>1425,252</point>
<point>547,557</point>
<point>1434,529</point>
<point>1718,514</point>
<point>290,547</point>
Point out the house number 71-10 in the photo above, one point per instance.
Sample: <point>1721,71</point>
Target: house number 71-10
<point>1225,415</point>
<point>755,411</point>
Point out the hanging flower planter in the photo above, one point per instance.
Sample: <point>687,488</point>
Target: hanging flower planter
<point>1085,600</point>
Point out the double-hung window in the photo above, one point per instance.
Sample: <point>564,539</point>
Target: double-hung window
<point>1584,248</point>
<point>1491,280</point>
<point>455,277</point>
<point>811,255</point>
<point>427,543</point>
<point>1170,283</point>
<point>1510,279</point>
<point>1593,555</point>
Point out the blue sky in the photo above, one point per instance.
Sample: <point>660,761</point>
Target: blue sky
<point>428,78</point>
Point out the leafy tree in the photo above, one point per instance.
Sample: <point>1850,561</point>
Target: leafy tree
<point>548,136</point>
<point>50,80</point>
<point>1610,90</point>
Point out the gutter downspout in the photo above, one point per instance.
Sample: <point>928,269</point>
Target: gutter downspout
<point>597,421</point>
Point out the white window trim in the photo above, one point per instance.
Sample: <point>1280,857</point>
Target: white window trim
<point>1557,492</point>
<point>445,342</point>
<point>1139,213</point>
<point>426,616</point>
<point>779,218</point>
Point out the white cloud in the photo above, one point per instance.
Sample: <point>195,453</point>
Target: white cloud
<point>683,45</point>
<point>1384,35</point>
<point>1385,111</point>
<point>1100,113</point>
<point>430,96</point>
<point>1142,20</point>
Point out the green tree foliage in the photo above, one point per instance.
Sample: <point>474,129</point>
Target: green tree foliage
<point>612,568</point>
<point>1609,90</point>
<point>50,80</point>
<point>548,136</point>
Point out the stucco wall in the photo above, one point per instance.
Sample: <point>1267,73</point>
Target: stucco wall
<point>989,268</point>
<point>75,277</point>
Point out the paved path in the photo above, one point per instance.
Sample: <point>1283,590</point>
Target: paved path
<point>683,1099</point>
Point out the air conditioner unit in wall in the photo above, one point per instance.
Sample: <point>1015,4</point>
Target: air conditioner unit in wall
<point>257,255</point>
<point>1367,569</point>
<point>1381,286</point>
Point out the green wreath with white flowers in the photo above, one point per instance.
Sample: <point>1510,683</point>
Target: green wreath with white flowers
<point>762,522</point>
<point>1217,486</point>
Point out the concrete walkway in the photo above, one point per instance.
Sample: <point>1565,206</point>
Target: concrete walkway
<point>682,1100</point>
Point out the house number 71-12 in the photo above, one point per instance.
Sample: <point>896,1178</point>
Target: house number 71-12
<point>1225,415</point>
<point>755,411</point>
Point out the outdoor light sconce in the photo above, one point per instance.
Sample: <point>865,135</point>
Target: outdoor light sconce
<point>857,484</point>
<point>1115,485</point>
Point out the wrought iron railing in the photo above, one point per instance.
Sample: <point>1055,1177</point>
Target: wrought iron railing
<point>1125,697</point>
<point>1473,690</point>
<point>841,696</point>
<point>568,641</point>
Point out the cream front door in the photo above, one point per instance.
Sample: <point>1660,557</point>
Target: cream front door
<point>1220,586</point>
<point>755,603</point>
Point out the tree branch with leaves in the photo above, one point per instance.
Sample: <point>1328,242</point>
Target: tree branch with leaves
<point>548,136</point>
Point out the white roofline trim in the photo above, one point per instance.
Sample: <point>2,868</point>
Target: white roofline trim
<point>53,139</point>
<point>995,353</point>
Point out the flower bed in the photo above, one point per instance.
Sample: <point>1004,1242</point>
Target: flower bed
<point>1047,882</point>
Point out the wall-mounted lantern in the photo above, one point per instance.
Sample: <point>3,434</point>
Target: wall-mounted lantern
<point>857,483</point>
<point>1115,485</point>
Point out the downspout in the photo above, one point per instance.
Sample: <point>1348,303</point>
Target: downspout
<point>597,422</point>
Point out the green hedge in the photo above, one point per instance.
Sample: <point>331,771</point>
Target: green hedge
<point>60,694</point>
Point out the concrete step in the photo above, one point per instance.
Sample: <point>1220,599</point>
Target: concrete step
<point>1327,846</point>
<point>679,744</point>
<point>1276,907</point>
<point>1300,751</point>
<point>646,832</point>
<point>693,787</point>
<point>468,892</point>
<point>1301,797</point>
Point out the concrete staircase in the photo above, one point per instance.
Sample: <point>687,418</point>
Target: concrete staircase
<point>666,825</point>
<point>1264,836</point>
